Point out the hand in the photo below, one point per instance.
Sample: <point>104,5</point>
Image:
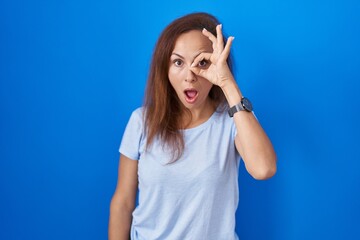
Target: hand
<point>218,72</point>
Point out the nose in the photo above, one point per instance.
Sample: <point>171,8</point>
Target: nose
<point>190,76</point>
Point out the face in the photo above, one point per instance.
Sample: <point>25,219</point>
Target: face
<point>192,90</point>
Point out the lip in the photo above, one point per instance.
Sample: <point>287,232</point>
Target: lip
<point>193,99</point>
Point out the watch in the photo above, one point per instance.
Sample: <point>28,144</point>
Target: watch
<point>243,105</point>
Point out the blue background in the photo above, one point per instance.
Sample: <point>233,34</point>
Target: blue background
<point>72,71</point>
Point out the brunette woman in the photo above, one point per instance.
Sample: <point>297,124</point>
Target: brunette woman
<point>182,148</point>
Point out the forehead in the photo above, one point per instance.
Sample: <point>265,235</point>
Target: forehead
<point>193,40</point>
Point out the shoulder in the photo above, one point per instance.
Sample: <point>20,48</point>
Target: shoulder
<point>222,116</point>
<point>137,115</point>
<point>136,119</point>
<point>223,123</point>
<point>138,112</point>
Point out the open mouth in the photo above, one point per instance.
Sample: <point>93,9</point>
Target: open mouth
<point>190,95</point>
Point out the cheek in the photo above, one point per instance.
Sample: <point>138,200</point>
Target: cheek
<point>206,85</point>
<point>174,76</point>
<point>174,73</point>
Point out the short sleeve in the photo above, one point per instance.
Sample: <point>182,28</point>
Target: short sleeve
<point>133,135</point>
<point>234,129</point>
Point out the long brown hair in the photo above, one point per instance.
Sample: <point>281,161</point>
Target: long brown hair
<point>163,108</point>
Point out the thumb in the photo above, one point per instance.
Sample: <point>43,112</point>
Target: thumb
<point>199,71</point>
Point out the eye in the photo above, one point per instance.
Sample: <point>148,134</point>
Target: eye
<point>178,62</point>
<point>203,63</point>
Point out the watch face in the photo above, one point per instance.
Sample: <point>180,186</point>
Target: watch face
<point>247,104</point>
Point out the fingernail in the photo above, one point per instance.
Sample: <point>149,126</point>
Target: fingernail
<point>204,29</point>
<point>220,26</point>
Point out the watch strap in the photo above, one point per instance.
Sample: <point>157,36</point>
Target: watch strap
<point>236,108</point>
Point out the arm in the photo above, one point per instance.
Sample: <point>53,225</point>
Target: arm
<point>251,140</point>
<point>123,200</point>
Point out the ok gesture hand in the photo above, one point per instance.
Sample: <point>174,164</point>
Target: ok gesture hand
<point>218,72</point>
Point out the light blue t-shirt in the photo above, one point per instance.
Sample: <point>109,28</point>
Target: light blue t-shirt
<point>195,197</point>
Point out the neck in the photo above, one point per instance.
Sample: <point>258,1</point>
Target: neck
<point>199,115</point>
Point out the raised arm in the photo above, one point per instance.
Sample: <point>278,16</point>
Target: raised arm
<point>251,140</point>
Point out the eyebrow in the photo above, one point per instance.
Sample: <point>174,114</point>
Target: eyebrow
<point>184,58</point>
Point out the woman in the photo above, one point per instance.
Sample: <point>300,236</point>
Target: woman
<point>182,149</point>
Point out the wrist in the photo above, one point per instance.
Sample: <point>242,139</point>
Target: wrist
<point>232,92</point>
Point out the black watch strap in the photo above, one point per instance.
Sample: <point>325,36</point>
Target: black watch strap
<point>236,108</point>
<point>243,105</point>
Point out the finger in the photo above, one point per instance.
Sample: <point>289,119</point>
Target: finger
<point>197,71</point>
<point>201,72</point>
<point>202,56</point>
<point>224,55</point>
<point>209,35</point>
<point>212,38</point>
<point>219,36</point>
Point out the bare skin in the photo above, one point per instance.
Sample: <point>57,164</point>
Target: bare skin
<point>182,77</point>
<point>197,63</point>
<point>251,141</point>
<point>123,201</point>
